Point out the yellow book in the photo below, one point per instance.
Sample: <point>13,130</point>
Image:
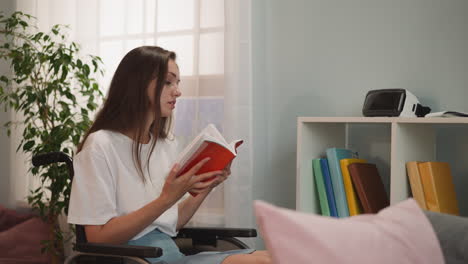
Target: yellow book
<point>415,182</point>
<point>354,204</point>
<point>438,187</point>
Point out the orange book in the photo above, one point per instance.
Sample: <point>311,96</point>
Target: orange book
<point>415,182</point>
<point>439,190</point>
<point>209,143</point>
<point>354,204</point>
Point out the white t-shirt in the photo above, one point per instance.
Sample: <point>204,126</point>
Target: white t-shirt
<point>107,184</point>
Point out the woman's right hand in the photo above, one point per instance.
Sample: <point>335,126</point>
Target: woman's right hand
<point>176,186</point>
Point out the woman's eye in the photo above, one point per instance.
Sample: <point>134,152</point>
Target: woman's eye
<point>168,83</point>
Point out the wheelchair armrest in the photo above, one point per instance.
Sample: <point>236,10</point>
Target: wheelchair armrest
<point>190,232</point>
<point>210,236</point>
<point>119,250</point>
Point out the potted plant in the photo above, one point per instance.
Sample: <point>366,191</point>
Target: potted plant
<point>53,91</point>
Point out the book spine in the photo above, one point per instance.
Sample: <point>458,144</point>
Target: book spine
<point>427,180</point>
<point>354,205</point>
<point>369,186</point>
<point>337,179</point>
<point>320,187</point>
<point>328,187</point>
<point>444,188</point>
<point>415,183</point>
<point>364,198</point>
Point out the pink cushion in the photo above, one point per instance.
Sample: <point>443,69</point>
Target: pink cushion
<point>10,218</point>
<point>20,238</point>
<point>397,234</point>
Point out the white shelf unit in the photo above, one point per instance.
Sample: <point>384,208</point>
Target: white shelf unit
<point>387,141</point>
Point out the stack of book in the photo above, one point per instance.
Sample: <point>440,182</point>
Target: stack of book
<point>432,186</point>
<point>347,185</point>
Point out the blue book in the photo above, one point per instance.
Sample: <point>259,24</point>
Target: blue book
<point>328,187</point>
<point>334,155</point>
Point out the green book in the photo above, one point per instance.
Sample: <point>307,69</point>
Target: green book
<point>319,183</point>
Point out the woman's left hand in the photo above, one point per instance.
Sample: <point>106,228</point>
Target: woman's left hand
<point>220,178</point>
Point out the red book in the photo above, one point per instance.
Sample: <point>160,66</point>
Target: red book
<point>209,143</point>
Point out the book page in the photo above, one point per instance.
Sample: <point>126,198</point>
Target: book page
<point>234,144</point>
<point>189,149</point>
<point>209,133</point>
<point>215,136</point>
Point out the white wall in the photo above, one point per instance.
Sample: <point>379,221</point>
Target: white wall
<point>6,6</point>
<point>320,57</point>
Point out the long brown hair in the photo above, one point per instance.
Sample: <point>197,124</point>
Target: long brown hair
<point>127,104</point>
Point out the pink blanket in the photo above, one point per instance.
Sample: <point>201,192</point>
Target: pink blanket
<point>20,237</point>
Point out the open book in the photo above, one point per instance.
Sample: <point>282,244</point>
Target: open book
<point>209,143</point>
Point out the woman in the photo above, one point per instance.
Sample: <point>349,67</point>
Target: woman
<point>125,188</point>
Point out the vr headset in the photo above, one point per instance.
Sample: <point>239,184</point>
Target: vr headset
<point>393,102</point>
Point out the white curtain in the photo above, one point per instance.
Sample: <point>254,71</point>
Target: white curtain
<point>231,204</point>
<point>238,111</point>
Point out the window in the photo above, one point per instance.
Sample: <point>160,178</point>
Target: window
<point>194,29</point>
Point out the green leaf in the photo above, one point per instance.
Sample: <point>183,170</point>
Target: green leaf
<point>95,65</point>
<point>84,111</point>
<point>86,69</point>
<point>28,145</point>
<point>64,73</point>
<point>24,24</point>
<point>91,105</point>
<point>70,96</point>
<point>37,36</point>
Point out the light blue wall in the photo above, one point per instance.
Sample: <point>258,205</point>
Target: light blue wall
<point>320,57</point>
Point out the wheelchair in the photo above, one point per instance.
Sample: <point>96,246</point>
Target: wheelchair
<point>190,240</point>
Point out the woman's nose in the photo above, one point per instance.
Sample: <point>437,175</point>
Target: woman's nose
<point>177,91</point>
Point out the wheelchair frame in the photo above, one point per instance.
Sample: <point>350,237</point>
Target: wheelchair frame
<point>86,252</point>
